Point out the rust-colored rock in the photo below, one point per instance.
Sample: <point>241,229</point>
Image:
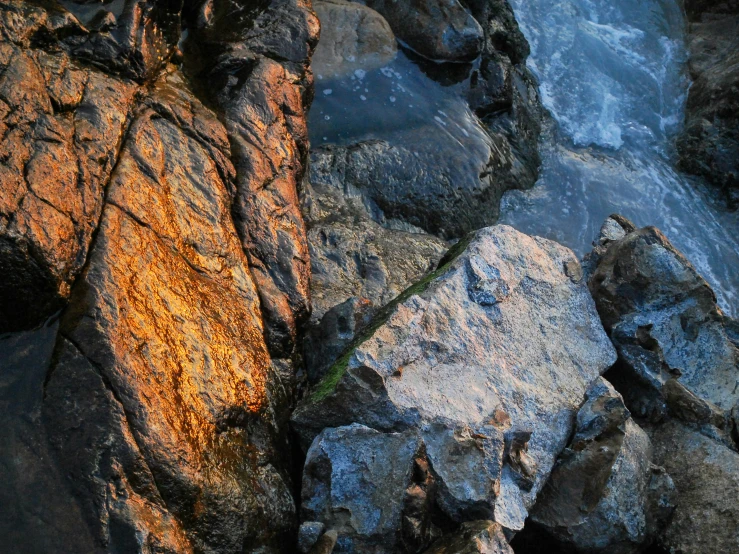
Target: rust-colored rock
<point>60,129</point>
<point>176,441</point>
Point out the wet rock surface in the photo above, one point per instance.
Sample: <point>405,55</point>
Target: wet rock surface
<point>473,360</point>
<point>605,494</point>
<point>709,145</point>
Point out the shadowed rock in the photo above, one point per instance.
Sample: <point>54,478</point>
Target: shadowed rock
<point>475,537</point>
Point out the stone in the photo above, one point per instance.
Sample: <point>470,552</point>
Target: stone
<point>62,126</point>
<point>474,537</point>
<point>676,353</point>
<point>253,61</point>
<point>706,474</point>
<point>326,543</point>
<point>180,439</point>
<point>308,535</point>
<point>439,30</point>
<point>353,37</point>
<point>488,359</point>
<point>604,493</point>
<point>709,143</point>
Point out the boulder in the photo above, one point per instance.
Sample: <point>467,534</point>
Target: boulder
<point>709,143</point>
<point>474,537</point>
<point>353,37</point>
<point>706,474</point>
<point>676,351</point>
<point>360,261</point>
<point>604,494</point>
<point>161,402</point>
<point>440,30</point>
<point>487,360</point>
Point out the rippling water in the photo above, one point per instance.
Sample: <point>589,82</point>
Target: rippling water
<point>612,75</point>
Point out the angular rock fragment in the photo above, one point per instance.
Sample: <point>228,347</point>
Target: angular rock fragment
<point>604,494</point>
<point>675,348</point>
<point>475,537</point>
<point>438,30</point>
<point>162,403</point>
<point>488,359</point>
<point>353,37</point>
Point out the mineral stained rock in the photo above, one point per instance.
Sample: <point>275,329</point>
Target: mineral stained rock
<point>353,37</point>
<point>675,346</point>
<point>441,30</point>
<point>360,261</point>
<point>254,62</point>
<point>475,537</point>
<point>709,145</point>
<point>163,339</point>
<point>61,126</point>
<point>487,361</point>
<point>604,494</point>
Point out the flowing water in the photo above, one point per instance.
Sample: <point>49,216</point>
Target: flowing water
<point>612,74</point>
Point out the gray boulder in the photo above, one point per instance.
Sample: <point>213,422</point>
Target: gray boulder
<point>487,360</point>
<point>604,494</point>
<point>475,537</point>
<point>353,37</point>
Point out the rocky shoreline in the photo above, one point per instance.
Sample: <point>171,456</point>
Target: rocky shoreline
<point>218,339</point>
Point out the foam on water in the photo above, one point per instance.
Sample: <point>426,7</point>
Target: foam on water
<point>612,75</point>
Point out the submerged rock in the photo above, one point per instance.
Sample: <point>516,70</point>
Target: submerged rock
<point>440,30</point>
<point>475,537</point>
<point>353,37</point>
<point>487,361</point>
<point>604,494</point>
<point>709,144</point>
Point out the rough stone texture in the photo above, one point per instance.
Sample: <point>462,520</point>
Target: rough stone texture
<point>253,60</point>
<point>440,30</point>
<point>604,494</point>
<point>709,145</point>
<point>353,37</point>
<point>163,339</point>
<point>61,126</point>
<point>359,261</point>
<point>355,482</point>
<point>308,534</point>
<point>675,347</point>
<point>489,359</point>
<point>706,474</point>
<point>475,537</point>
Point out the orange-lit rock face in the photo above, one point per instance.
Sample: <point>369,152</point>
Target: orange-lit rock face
<point>167,313</point>
<point>60,129</point>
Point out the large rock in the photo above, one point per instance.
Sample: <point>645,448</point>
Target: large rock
<point>161,401</point>
<point>706,474</point>
<point>360,261</point>
<point>604,494</point>
<point>475,537</point>
<point>253,61</point>
<point>353,37</point>
<point>709,145</point>
<point>62,126</point>
<point>488,359</point>
<point>441,30</point>
<point>676,351</point>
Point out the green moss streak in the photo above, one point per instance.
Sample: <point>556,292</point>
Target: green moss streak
<point>328,384</point>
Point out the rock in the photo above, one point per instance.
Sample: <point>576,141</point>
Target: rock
<point>360,261</point>
<point>487,359</point>
<point>353,37</point>
<point>62,126</point>
<point>355,482</point>
<point>179,439</point>
<point>475,537</point>
<point>604,494</point>
<point>254,63</point>
<point>326,543</point>
<point>709,144</point>
<point>436,29</point>
<point>675,348</point>
<point>308,535</point>
<point>706,474</point>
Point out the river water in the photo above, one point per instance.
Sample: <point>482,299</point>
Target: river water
<point>612,75</point>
